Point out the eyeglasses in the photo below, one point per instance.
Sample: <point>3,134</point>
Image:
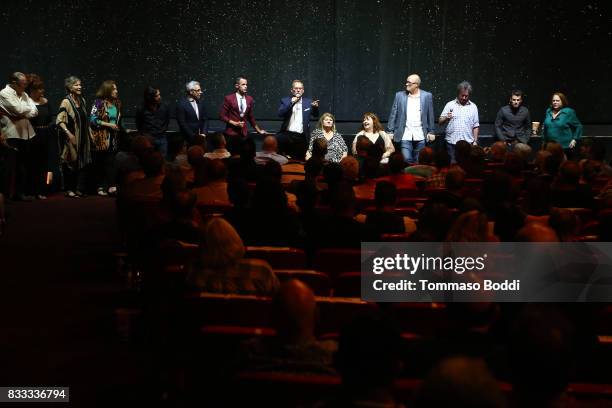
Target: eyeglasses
<point>410,83</point>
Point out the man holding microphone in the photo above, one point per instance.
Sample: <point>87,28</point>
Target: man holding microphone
<point>462,117</point>
<point>296,111</point>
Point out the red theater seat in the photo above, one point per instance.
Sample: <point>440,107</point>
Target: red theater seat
<point>278,257</point>
<point>318,282</point>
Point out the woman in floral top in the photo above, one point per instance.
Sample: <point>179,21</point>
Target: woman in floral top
<point>336,147</point>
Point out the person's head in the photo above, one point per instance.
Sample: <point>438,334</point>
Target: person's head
<point>397,164</point>
<point>540,160</point>
<point>342,200</point>
<point>516,99</point>
<point>442,158</point>
<point>569,172</point>
<point>385,194</point>
<point>536,232</point>
<point>435,219</point>
<point>413,82</point>
<point>270,144</point>
<point>350,168</point>
<point>564,222</point>
<point>141,145</point>
<point>174,181</point>
<point>153,164</point>
<point>589,169</point>
<point>18,81</point>
<point>471,226</point>
<point>460,382</point>
<point>454,180</point>
<point>272,171</point>
<point>426,156</point>
<point>327,122</point>
<point>313,168</point>
<point>183,203</point>
<point>36,87</point>
<point>513,164</point>
<point>73,85</point>
<point>523,151</point>
<point>217,141</point>
<point>558,101</point>
<point>220,246</point>
<point>297,88</point>
<point>462,152</point>
<point>362,146</point>
<point>369,352</point>
<point>464,91</point>
<point>195,154</point>
<point>498,151</point>
<point>371,123</point>
<point>319,148</point>
<point>294,313</point>
<point>108,90</point>
<point>241,84</point>
<point>193,90</point>
<point>151,96</point>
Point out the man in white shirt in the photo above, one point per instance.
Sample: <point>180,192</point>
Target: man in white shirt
<point>17,108</point>
<point>462,117</point>
<point>411,119</point>
<point>296,111</point>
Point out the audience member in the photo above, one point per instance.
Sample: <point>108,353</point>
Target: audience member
<point>218,144</point>
<point>269,152</point>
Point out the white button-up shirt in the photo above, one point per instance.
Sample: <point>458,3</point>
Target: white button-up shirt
<point>296,123</point>
<point>194,105</point>
<point>240,98</point>
<point>17,111</point>
<point>464,120</point>
<point>414,126</point>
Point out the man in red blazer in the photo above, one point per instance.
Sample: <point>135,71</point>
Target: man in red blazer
<point>237,109</point>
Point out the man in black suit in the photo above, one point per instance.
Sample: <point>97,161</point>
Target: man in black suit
<point>296,111</point>
<point>191,113</point>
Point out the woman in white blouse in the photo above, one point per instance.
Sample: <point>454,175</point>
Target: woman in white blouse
<point>373,130</point>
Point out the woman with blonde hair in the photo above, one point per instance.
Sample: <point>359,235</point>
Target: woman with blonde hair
<point>224,269</point>
<point>326,129</point>
<point>373,130</point>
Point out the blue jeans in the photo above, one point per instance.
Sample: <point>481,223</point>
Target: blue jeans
<point>161,145</point>
<point>411,150</point>
<point>450,148</point>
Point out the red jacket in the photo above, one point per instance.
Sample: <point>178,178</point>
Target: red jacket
<point>230,111</point>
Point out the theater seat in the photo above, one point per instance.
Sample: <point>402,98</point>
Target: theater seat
<point>278,257</point>
<point>348,284</point>
<point>213,210</point>
<point>318,282</point>
<point>335,261</point>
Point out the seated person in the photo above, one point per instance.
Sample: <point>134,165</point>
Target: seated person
<point>218,144</point>
<point>402,180</point>
<point>294,348</point>
<point>385,220</point>
<point>214,191</point>
<point>222,267</point>
<point>147,189</point>
<point>566,191</point>
<point>425,167</point>
<point>269,151</point>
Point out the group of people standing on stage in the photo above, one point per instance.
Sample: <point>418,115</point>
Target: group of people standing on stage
<point>89,136</point>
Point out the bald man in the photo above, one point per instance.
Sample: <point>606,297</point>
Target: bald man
<point>412,119</point>
<point>269,152</point>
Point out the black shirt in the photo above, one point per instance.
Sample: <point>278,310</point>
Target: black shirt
<point>513,124</point>
<point>152,122</point>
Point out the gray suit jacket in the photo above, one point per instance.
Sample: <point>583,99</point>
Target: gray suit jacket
<point>397,117</point>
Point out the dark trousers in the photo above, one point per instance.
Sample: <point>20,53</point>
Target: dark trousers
<point>38,163</point>
<point>7,170</point>
<point>293,144</point>
<point>103,168</point>
<point>22,162</point>
<point>75,179</point>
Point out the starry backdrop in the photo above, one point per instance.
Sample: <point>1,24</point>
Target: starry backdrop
<point>352,55</point>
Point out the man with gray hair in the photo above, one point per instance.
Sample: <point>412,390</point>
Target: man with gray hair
<point>412,119</point>
<point>16,108</point>
<point>462,117</point>
<point>191,112</point>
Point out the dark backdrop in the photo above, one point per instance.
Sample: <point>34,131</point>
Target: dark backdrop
<point>353,55</point>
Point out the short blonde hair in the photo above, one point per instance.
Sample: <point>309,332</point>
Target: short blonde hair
<point>220,246</point>
<point>323,116</point>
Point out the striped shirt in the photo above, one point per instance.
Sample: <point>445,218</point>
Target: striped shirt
<point>465,118</point>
